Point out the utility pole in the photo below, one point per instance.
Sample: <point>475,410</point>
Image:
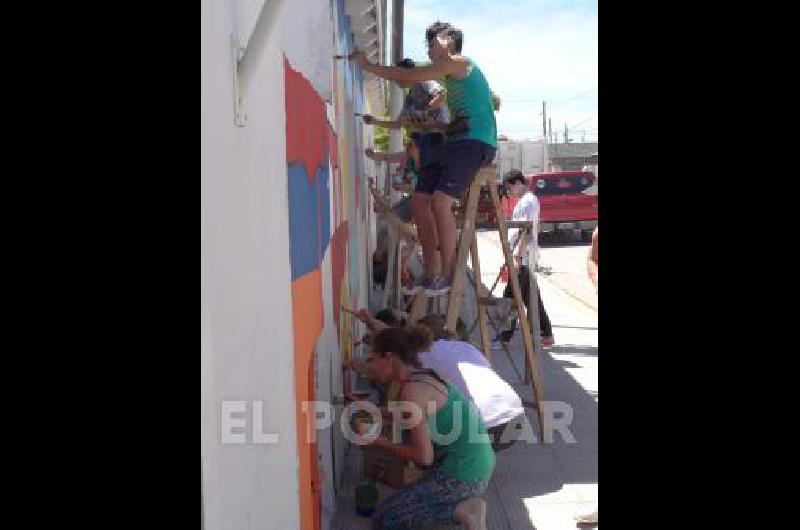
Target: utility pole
<point>566,138</point>
<point>550,121</point>
<point>583,137</point>
<point>544,119</point>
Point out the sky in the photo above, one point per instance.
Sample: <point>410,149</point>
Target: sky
<point>529,51</point>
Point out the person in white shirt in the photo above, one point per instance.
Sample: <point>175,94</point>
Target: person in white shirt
<point>527,250</point>
<point>460,363</point>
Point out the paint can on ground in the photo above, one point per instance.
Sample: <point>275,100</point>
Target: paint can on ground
<point>366,499</point>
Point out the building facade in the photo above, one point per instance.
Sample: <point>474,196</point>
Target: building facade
<point>286,237</point>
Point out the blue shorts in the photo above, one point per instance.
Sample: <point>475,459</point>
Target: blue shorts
<point>452,165</point>
<point>427,142</point>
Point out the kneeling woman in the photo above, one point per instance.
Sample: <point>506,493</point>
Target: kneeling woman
<point>451,438</point>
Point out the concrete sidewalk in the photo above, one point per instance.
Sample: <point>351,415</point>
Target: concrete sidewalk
<point>534,486</point>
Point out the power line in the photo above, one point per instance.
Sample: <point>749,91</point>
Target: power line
<point>576,96</point>
<point>584,120</point>
<point>555,102</point>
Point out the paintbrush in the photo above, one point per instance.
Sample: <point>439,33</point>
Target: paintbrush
<point>348,310</point>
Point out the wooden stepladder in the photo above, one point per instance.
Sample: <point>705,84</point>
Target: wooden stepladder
<point>468,243</point>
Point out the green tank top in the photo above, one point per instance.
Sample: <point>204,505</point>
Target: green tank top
<point>471,98</point>
<point>468,456</point>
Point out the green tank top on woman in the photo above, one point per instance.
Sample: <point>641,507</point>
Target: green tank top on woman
<point>469,455</point>
<point>471,98</point>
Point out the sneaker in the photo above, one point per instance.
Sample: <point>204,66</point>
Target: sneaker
<point>437,286</point>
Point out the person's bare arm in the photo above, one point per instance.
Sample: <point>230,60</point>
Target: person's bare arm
<point>396,124</point>
<point>392,158</point>
<point>432,72</point>
<point>422,124</point>
<point>420,447</point>
<point>369,321</point>
<point>591,261</point>
<point>407,231</point>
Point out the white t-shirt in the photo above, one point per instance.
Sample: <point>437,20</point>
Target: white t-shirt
<point>527,209</point>
<point>465,366</point>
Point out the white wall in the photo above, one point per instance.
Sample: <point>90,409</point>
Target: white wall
<point>246,332</point>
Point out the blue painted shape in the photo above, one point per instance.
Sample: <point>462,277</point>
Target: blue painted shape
<point>303,222</point>
<point>309,218</point>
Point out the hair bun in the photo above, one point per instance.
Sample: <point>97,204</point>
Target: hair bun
<point>419,337</point>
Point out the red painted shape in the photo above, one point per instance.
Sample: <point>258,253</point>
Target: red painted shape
<point>307,128</point>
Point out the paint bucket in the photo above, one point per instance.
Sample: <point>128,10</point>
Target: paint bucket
<point>366,499</point>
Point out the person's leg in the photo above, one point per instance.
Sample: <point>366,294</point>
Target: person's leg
<point>445,231</point>
<point>471,513</point>
<point>545,328</point>
<point>432,499</point>
<point>458,162</point>
<point>407,505</point>
<point>421,209</point>
<point>524,285</point>
<point>544,322</point>
<point>426,230</point>
<point>508,292</point>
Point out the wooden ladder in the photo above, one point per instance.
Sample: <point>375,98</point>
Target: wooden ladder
<point>468,244</point>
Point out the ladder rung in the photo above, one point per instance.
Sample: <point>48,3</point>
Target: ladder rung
<point>518,224</point>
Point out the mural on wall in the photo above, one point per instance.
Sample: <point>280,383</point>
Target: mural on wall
<point>327,226</point>
<point>309,235</point>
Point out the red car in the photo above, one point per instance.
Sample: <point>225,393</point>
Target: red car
<point>564,206</point>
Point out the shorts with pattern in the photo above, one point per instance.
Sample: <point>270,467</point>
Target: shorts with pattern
<point>432,499</point>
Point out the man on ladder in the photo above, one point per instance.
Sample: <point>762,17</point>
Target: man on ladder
<point>451,166</point>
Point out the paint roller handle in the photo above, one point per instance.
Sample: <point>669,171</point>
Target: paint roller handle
<point>355,55</point>
<point>362,314</point>
<point>348,310</point>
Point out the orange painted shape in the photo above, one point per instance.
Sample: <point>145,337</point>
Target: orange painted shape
<point>307,322</point>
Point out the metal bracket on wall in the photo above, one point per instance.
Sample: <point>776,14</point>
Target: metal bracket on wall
<point>237,53</point>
